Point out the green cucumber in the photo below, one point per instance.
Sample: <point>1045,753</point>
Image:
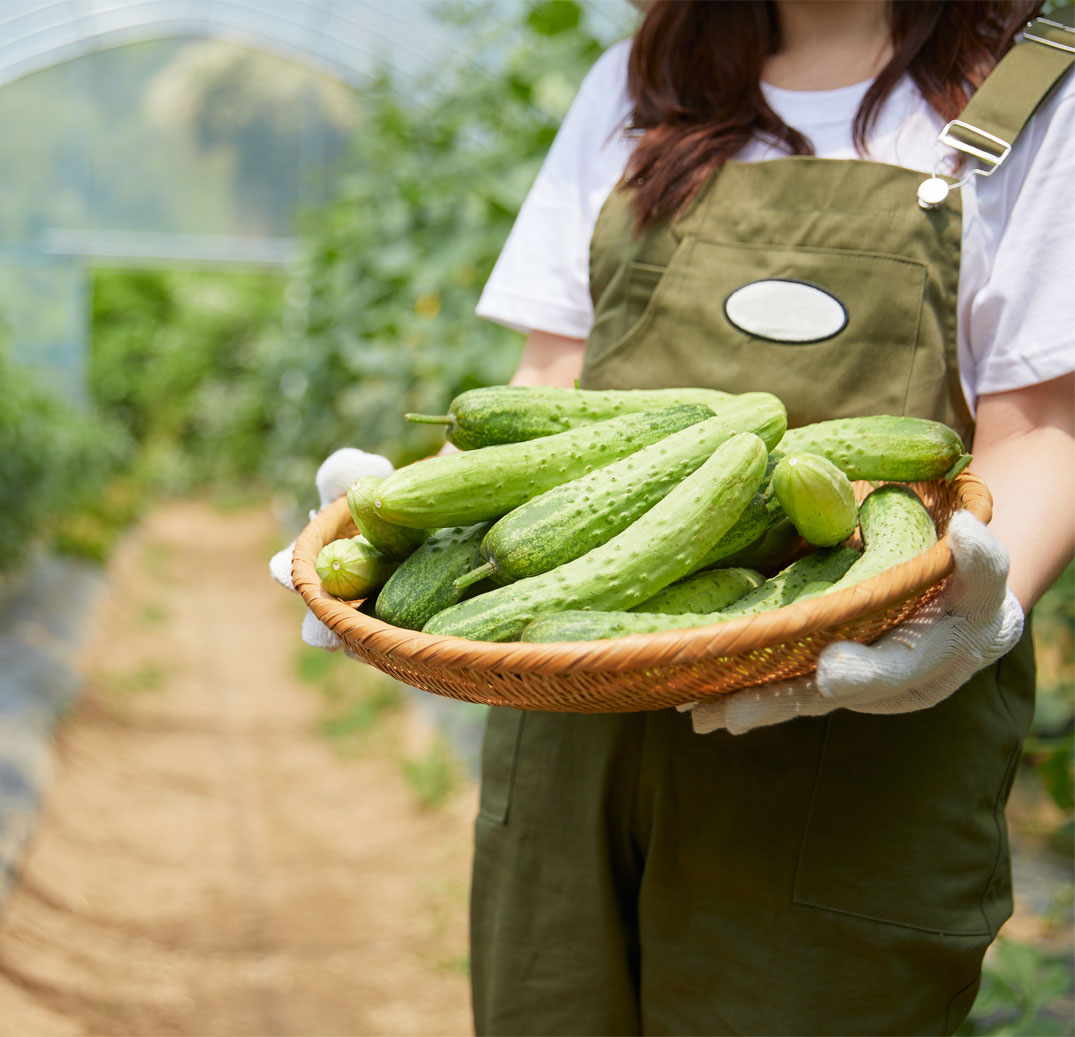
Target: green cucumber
<point>395,541</point>
<point>817,497</point>
<point>807,577</point>
<point>881,447</point>
<point>760,515</point>
<point>708,591</point>
<point>570,519</point>
<point>516,413</point>
<point>423,585</point>
<point>352,568</point>
<point>895,526</point>
<point>823,566</point>
<point>779,544</point>
<point>663,545</point>
<point>472,486</point>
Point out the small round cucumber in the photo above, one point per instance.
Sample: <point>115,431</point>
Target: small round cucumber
<point>817,497</point>
<point>352,568</point>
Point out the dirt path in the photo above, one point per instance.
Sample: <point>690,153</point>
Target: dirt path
<point>206,862</point>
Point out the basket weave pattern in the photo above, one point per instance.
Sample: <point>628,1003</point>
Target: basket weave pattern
<point>642,671</point>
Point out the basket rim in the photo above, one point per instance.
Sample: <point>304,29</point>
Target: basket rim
<point>636,651</point>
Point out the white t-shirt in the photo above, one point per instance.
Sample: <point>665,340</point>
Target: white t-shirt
<point>1016,303</point>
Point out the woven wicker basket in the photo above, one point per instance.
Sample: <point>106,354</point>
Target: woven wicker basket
<point>643,671</point>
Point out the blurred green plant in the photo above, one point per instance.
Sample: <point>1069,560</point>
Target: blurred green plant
<point>55,462</point>
<point>229,377</point>
<point>177,358</point>
<point>433,776</point>
<point>380,314</point>
<point>1050,749</point>
<point>1025,992</point>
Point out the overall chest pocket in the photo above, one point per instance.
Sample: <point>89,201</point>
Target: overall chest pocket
<point>674,329</point>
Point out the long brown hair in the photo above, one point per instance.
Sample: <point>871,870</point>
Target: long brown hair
<point>694,75</point>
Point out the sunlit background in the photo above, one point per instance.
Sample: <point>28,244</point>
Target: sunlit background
<point>234,236</point>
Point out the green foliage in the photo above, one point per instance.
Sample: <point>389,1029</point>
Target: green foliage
<point>178,358</point>
<point>434,776</point>
<point>1050,749</point>
<point>353,701</point>
<point>54,460</point>
<point>1025,992</point>
<point>381,313</point>
<point>349,719</point>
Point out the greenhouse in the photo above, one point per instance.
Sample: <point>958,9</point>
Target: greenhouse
<point>242,244</point>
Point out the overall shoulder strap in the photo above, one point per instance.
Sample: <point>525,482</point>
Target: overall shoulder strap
<point>996,114</point>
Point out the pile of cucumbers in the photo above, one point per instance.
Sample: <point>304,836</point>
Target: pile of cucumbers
<point>573,514</point>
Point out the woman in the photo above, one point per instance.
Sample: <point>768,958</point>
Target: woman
<point>841,872</point>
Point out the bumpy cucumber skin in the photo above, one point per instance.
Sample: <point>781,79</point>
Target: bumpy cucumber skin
<point>817,497</point>
<point>397,542</point>
<point>793,582</point>
<point>463,488</point>
<point>759,516</point>
<point>515,413</point>
<point>805,578</point>
<point>422,586</point>
<point>664,544</point>
<point>895,527</point>
<point>364,568</point>
<point>570,519</point>
<point>881,447</point>
<point>708,591</point>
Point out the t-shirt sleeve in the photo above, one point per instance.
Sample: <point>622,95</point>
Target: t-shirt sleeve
<point>1020,321</point>
<point>541,278</point>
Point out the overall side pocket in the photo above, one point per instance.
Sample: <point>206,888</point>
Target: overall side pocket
<point>500,755</point>
<point>906,821</point>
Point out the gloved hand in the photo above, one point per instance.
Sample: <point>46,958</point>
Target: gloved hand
<point>971,624</point>
<point>334,478</point>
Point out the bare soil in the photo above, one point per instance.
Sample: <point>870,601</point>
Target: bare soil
<point>206,860</point>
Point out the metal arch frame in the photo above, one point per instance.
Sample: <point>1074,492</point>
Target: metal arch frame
<point>308,32</point>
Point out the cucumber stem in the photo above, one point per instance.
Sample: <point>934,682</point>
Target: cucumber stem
<point>474,576</point>
<point>958,467</point>
<point>430,419</point>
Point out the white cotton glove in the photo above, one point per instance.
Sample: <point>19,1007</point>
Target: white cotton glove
<point>334,478</point>
<point>971,624</point>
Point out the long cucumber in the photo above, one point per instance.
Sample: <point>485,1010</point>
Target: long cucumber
<point>472,486</point>
<point>806,577</point>
<point>516,413</point>
<point>759,516</point>
<point>881,447</point>
<point>707,591</point>
<point>570,519</point>
<point>895,527</point>
<point>664,544</point>
<point>397,542</point>
<point>424,583</point>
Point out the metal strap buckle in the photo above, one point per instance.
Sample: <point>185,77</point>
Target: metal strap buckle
<point>992,159</point>
<point>1029,35</point>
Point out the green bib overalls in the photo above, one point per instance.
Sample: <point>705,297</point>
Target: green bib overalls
<point>833,875</point>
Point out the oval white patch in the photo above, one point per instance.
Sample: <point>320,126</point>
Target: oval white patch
<point>785,311</point>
